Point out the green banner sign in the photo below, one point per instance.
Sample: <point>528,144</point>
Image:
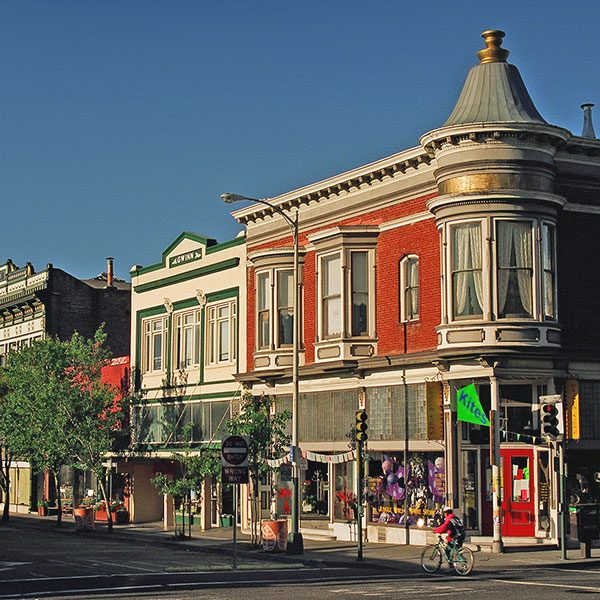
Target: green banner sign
<point>468,406</point>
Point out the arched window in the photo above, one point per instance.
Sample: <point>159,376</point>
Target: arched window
<point>409,288</point>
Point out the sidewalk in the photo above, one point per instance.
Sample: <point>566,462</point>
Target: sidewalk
<point>400,559</point>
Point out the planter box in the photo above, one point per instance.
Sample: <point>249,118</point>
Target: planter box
<point>179,518</point>
<point>100,515</point>
<point>225,521</point>
<point>84,519</point>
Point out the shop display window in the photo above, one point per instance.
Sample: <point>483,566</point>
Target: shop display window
<point>423,482</point>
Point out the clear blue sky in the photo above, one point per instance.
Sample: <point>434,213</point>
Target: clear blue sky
<point>121,122</point>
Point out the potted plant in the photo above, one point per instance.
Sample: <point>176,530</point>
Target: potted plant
<point>121,515</point>
<point>226,520</point>
<point>42,508</point>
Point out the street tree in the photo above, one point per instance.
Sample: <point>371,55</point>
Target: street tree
<point>265,429</point>
<point>193,465</point>
<point>68,415</point>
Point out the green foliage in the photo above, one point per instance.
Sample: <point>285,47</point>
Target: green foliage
<point>56,410</point>
<point>265,430</point>
<point>194,467</point>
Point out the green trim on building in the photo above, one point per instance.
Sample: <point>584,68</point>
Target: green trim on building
<point>181,277</point>
<point>237,241</point>
<point>183,304</point>
<point>233,292</point>
<point>144,313</point>
<point>210,244</point>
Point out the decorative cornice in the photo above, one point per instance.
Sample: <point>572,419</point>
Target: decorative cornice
<point>496,197</point>
<point>484,132</point>
<point>344,183</point>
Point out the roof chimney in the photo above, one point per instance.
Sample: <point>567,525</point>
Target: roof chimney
<point>109,271</point>
<point>588,126</point>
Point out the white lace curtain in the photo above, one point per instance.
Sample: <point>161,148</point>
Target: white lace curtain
<point>514,255</point>
<point>467,268</point>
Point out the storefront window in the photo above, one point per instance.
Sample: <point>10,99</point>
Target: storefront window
<point>344,491</point>
<point>469,488</point>
<point>315,490</point>
<point>424,485</point>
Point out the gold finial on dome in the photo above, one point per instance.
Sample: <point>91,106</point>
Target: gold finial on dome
<point>493,52</point>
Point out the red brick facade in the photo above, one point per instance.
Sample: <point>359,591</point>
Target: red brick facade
<point>394,337</point>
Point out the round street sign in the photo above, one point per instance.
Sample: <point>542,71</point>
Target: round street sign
<point>234,451</point>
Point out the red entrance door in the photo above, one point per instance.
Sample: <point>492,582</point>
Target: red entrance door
<point>518,506</point>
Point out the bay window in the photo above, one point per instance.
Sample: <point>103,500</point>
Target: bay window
<point>331,296</point>
<point>275,309</point>
<point>346,294</point>
<point>263,306</point>
<point>548,271</point>
<point>285,307</point>
<point>514,269</point>
<point>467,275</point>
<point>511,276</point>
<point>359,277</point>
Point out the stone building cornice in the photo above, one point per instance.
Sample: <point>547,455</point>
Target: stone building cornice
<point>362,177</point>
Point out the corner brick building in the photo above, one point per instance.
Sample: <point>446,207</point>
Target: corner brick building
<point>468,259</point>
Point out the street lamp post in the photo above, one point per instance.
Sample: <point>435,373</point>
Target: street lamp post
<point>295,542</point>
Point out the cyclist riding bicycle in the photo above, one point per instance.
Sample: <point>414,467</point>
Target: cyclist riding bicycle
<point>454,529</point>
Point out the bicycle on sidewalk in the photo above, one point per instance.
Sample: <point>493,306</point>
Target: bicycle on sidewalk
<point>461,557</point>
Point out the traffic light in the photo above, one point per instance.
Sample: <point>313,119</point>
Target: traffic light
<point>551,417</point>
<point>361,426</point>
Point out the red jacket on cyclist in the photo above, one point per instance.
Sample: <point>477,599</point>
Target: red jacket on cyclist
<point>445,527</point>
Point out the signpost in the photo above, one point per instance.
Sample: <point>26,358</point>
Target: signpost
<point>234,470</point>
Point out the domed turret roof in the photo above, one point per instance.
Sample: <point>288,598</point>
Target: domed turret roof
<point>494,90</point>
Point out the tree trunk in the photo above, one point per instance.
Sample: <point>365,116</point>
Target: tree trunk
<point>109,521</point>
<point>189,501</point>
<point>5,468</point>
<point>58,498</point>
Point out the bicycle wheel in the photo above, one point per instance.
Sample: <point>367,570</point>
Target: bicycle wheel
<point>464,560</point>
<point>431,558</point>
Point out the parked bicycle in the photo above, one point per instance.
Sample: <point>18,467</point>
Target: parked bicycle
<point>461,557</point>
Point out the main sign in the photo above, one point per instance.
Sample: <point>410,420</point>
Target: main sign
<point>234,459</point>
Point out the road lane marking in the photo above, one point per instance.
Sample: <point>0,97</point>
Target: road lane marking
<point>545,584</point>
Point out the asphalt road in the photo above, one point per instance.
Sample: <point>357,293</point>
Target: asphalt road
<point>44,563</point>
